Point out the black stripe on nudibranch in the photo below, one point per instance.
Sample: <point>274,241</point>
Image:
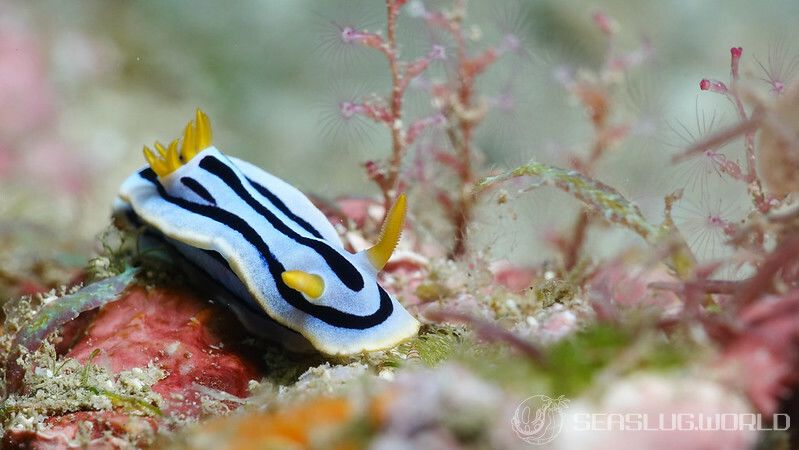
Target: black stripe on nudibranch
<point>284,209</point>
<point>327,314</point>
<point>343,269</point>
<point>198,189</point>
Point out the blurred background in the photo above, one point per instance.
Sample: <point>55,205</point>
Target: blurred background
<point>84,84</point>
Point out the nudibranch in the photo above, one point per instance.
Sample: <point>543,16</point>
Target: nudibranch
<point>265,242</point>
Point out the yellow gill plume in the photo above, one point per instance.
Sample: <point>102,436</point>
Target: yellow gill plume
<point>197,136</point>
<point>309,284</point>
<point>389,235</point>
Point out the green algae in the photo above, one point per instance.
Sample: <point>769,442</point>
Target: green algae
<point>611,205</point>
<point>56,385</point>
<point>434,344</point>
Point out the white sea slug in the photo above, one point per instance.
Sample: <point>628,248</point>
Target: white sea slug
<point>265,242</point>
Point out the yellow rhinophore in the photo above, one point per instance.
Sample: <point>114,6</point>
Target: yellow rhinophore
<point>389,235</point>
<point>309,284</point>
<point>196,137</point>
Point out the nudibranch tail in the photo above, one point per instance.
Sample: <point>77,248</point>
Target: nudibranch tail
<point>389,235</point>
<point>196,137</point>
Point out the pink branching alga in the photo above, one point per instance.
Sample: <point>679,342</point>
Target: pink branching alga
<point>757,328</point>
<point>752,320</point>
<point>748,124</point>
<point>457,107</point>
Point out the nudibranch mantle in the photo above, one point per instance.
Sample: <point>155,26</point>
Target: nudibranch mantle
<point>268,244</point>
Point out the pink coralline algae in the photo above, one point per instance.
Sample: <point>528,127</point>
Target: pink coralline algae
<point>197,344</point>
<point>193,341</point>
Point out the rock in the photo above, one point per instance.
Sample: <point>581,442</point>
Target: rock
<point>194,341</point>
